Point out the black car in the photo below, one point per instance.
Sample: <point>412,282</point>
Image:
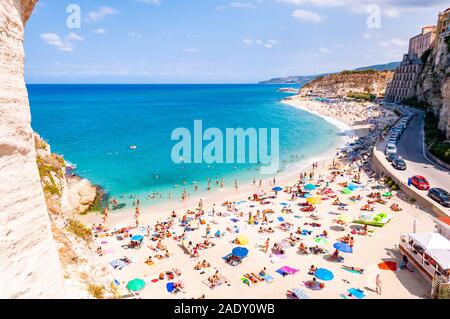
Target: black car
<point>440,195</point>
<point>391,157</point>
<point>399,164</point>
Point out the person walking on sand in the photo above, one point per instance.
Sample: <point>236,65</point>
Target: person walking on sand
<point>200,204</point>
<point>105,213</point>
<point>378,283</point>
<point>208,231</point>
<point>254,182</point>
<point>266,245</point>
<point>235,185</point>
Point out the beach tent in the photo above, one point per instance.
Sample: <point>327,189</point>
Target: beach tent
<point>241,240</point>
<point>431,241</point>
<point>324,274</point>
<point>343,247</point>
<point>310,187</point>
<point>314,200</point>
<point>136,284</point>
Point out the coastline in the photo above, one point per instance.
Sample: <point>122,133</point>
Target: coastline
<point>150,213</point>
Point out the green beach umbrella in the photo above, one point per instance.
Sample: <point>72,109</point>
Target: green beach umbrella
<point>321,240</point>
<point>136,284</point>
<point>346,191</point>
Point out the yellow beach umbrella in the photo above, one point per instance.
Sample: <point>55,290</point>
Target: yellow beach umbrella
<point>242,240</point>
<point>314,200</point>
<point>346,218</point>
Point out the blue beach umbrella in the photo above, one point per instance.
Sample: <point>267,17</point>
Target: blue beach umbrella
<point>284,204</point>
<point>310,187</point>
<point>343,247</point>
<point>307,195</point>
<point>277,189</point>
<point>240,252</point>
<point>137,237</point>
<point>324,274</point>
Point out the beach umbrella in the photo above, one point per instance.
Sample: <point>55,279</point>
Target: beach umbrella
<point>346,190</point>
<point>240,252</point>
<point>242,240</point>
<point>136,284</point>
<point>324,274</point>
<point>307,195</point>
<point>137,237</point>
<point>277,189</point>
<point>321,240</point>
<point>343,247</point>
<point>346,218</point>
<point>314,200</point>
<point>310,187</point>
<point>284,204</point>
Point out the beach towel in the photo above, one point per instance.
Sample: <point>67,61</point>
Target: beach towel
<point>352,270</point>
<point>285,270</point>
<point>357,293</point>
<point>388,265</point>
<point>300,294</point>
<point>268,278</point>
<point>118,264</point>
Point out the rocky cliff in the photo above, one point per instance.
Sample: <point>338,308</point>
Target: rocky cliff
<point>342,84</point>
<point>44,251</point>
<point>433,84</point>
<point>30,265</point>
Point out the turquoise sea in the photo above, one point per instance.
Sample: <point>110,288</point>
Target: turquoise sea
<point>93,126</point>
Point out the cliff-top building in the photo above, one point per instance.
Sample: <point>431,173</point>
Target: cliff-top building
<point>404,82</point>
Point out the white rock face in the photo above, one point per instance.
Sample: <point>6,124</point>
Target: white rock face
<point>29,260</point>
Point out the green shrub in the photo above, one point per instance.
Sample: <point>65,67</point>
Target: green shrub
<point>96,291</point>
<point>79,229</point>
<point>412,101</point>
<point>361,96</point>
<point>435,138</point>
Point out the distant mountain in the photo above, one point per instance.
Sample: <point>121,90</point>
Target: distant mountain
<point>380,67</point>
<point>303,79</point>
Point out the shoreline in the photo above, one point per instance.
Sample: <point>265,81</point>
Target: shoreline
<point>151,212</point>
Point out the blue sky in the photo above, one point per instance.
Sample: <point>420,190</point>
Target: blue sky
<point>215,41</point>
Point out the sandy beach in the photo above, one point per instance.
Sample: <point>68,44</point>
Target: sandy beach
<point>377,245</point>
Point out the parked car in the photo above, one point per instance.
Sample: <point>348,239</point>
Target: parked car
<point>391,148</point>
<point>440,195</point>
<point>420,182</point>
<point>391,157</point>
<point>399,164</point>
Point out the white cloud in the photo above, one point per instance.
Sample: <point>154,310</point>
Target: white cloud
<point>269,44</point>
<point>339,46</point>
<point>73,37</point>
<point>100,31</point>
<point>393,43</point>
<point>135,35</point>
<point>190,50</point>
<point>55,40</point>
<point>367,35</point>
<point>244,5</point>
<point>220,8</point>
<point>324,50</point>
<point>389,8</point>
<point>307,16</point>
<point>101,13</point>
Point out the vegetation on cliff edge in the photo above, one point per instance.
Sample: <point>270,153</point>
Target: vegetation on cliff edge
<point>436,139</point>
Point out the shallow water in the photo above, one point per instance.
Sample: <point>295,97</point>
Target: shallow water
<point>93,126</point>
